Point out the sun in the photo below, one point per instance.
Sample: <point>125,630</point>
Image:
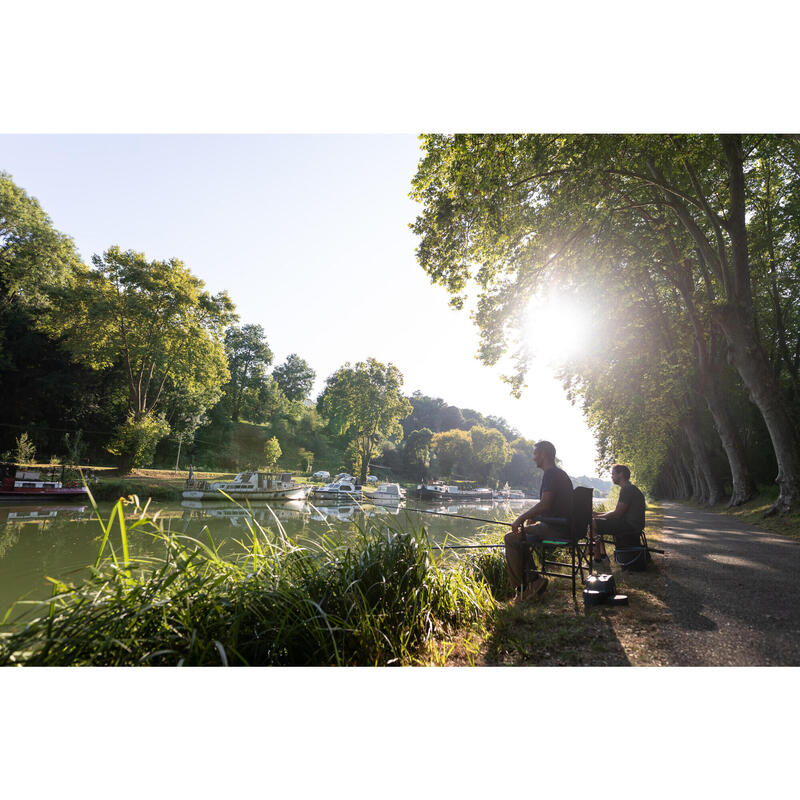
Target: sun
<point>557,328</point>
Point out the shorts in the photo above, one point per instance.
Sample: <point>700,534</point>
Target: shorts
<point>541,530</point>
<point>625,535</point>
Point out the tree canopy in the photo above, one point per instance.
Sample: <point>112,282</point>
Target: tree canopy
<point>248,358</point>
<point>698,230</point>
<point>295,377</point>
<point>365,401</point>
<point>153,326</point>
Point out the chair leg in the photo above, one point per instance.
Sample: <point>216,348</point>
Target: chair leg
<point>572,553</point>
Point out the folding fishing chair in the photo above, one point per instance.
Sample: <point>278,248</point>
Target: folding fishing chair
<point>577,532</point>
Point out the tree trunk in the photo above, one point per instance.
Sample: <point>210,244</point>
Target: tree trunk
<point>737,321</point>
<point>710,486</point>
<point>749,358</point>
<point>742,485</point>
<point>685,481</point>
<point>698,489</point>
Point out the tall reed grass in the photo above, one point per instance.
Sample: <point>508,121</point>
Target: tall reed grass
<point>373,600</point>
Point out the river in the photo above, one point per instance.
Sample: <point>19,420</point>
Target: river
<point>61,540</point>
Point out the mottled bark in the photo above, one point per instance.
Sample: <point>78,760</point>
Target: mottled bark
<point>742,484</point>
<point>711,490</point>
<point>737,321</point>
<point>751,362</point>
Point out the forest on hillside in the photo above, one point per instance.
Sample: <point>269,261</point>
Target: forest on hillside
<point>131,362</point>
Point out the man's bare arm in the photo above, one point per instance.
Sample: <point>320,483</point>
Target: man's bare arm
<point>619,511</point>
<point>541,508</point>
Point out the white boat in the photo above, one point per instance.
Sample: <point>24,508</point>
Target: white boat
<point>339,490</point>
<point>389,491</point>
<point>248,486</point>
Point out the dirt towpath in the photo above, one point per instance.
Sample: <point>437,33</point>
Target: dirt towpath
<point>733,591</point>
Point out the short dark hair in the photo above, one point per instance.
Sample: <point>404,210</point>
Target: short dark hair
<point>548,448</point>
<point>623,469</point>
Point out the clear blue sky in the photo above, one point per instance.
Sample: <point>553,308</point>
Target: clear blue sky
<point>308,233</point>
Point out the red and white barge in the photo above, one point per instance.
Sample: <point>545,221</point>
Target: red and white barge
<point>21,484</point>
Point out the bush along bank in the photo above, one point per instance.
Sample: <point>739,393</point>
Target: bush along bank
<point>373,601</point>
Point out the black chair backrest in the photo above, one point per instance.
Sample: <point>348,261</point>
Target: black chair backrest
<point>581,511</point>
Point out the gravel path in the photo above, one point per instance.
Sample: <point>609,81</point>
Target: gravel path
<point>732,591</point>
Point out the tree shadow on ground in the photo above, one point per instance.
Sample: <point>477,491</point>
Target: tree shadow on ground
<point>556,631</point>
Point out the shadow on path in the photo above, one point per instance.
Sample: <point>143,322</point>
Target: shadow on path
<point>731,591</point>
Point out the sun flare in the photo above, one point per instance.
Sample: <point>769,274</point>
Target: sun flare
<point>557,328</point>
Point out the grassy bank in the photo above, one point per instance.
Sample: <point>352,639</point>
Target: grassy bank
<point>375,600</point>
<point>154,483</point>
<point>753,514</point>
<point>559,631</point>
<point>383,596</point>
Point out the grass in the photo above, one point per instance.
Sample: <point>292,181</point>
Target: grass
<point>381,597</point>
<point>559,631</point>
<point>752,513</point>
<point>373,601</point>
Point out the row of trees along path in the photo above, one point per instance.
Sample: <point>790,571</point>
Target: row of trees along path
<point>683,252</point>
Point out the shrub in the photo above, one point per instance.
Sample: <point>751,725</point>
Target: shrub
<point>136,439</point>
<point>372,600</point>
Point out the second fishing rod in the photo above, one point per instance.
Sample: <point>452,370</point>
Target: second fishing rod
<point>459,516</point>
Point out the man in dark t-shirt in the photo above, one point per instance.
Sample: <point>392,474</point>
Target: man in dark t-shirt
<point>626,521</point>
<point>552,515</point>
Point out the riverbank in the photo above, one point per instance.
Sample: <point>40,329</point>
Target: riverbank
<point>372,597</point>
<point>559,631</point>
<point>383,595</point>
<point>144,483</point>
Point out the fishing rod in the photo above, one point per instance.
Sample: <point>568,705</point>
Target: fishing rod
<point>457,516</point>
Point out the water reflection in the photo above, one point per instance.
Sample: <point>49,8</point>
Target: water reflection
<point>61,541</point>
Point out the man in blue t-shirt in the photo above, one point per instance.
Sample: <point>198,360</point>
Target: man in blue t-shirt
<point>552,514</point>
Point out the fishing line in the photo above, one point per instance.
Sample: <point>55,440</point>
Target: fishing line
<point>457,516</point>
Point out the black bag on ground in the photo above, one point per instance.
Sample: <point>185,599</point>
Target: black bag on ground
<point>604,584</point>
<point>599,589</point>
<point>630,551</point>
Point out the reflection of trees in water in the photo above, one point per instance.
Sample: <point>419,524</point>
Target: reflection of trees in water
<point>9,536</point>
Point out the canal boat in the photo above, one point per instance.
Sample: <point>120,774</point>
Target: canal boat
<point>20,484</point>
<point>440,492</point>
<point>510,495</point>
<point>248,486</point>
<point>434,491</point>
<point>339,490</point>
<point>389,491</point>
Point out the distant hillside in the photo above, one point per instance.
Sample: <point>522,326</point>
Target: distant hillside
<point>602,487</point>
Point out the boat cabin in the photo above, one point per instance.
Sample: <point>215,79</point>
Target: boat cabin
<point>256,480</point>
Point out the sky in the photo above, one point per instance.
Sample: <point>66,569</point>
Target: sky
<point>310,236</point>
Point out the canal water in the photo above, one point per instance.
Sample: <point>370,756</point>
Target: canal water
<point>60,540</point>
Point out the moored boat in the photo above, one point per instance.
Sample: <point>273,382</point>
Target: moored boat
<point>19,484</point>
<point>438,492</point>
<point>434,491</point>
<point>248,486</point>
<point>339,490</point>
<point>389,491</point>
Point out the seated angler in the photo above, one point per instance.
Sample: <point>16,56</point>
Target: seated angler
<point>551,513</point>
<point>626,521</point>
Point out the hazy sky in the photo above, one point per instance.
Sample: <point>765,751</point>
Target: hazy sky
<point>309,234</point>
